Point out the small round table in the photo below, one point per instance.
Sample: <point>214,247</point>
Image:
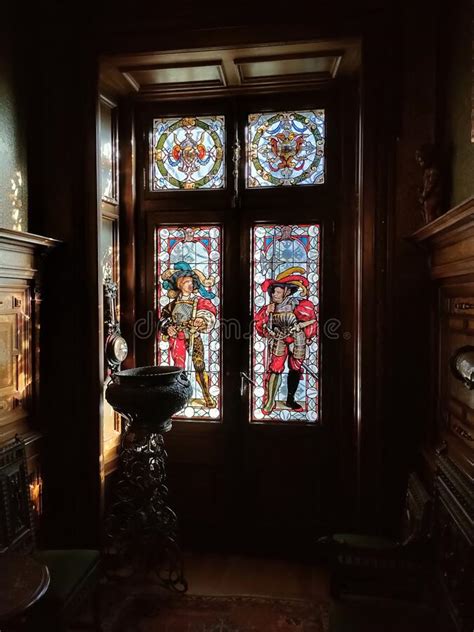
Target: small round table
<point>23,580</point>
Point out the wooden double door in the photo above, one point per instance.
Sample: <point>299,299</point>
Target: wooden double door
<point>241,286</point>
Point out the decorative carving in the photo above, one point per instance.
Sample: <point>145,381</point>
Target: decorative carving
<point>15,349</point>
<point>20,264</point>
<point>236,162</point>
<point>15,505</point>
<point>431,193</point>
<point>451,245</point>
<point>459,430</point>
<point>141,527</point>
<point>460,488</point>
<point>418,509</point>
<point>454,537</point>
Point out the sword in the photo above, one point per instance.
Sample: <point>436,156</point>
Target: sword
<point>192,334</point>
<point>298,327</point>
<point>310,371</point>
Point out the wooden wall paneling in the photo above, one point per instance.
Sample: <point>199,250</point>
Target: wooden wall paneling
<point>346,507</point>
<point>377,134</point>
<point>448,241</point>
<point>63,203</point>
<point>409,402</point>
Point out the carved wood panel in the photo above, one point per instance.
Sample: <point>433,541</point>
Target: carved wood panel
<point>456,402</point>
<point>454,537</point>
<point>450,239</point>
<point>15,356</point>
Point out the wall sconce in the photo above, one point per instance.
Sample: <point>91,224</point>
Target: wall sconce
<point>462,366</point>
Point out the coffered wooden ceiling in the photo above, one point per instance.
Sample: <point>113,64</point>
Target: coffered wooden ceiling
<point>211,72</point>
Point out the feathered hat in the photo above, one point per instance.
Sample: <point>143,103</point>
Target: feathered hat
<point>181,269</point>
<point>291,278</point>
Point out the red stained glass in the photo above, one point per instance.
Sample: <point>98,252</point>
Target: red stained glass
<point>285,339</point>
<point>188,302</point>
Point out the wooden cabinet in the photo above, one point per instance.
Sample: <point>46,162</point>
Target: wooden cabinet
<point>450,441</point>
<point>20,300</point>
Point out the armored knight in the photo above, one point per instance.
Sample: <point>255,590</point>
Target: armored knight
<point>289,322</point>
<point>189,314</point>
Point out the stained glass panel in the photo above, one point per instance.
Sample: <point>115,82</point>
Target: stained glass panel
<point>285,337</point>
<point>285,148</point>
<point>188,153</point>
<point>188,298</point>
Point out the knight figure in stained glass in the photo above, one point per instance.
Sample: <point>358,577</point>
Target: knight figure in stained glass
<point>289,322</point>
<point>189,314</point>
<point>285,342</point>
<point>188,302</point>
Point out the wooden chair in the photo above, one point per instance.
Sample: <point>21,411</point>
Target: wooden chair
<point>381,567</point>
<point>74,573</point>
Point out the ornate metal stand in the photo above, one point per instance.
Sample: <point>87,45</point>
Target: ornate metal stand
<point>141,529</point>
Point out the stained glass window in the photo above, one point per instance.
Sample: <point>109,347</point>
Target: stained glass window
<point>285,148</point>
<point>285,337</point>
<point>188,153</point>
<point>188,298</point>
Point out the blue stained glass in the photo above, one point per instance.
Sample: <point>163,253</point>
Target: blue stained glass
<point>285,148</point>
<point>187,153</point>
<point>188,298</point>
<point>285,338</point>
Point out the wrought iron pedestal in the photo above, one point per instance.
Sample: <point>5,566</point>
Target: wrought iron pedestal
<point>141,529</point>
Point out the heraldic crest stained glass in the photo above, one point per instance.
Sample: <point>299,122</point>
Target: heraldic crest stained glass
<point>187,153</point>
<point>285,148</point>
<point>285,338</point>
<point>188,298</point>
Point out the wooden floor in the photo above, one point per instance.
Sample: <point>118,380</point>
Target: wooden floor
<point>219,574</point>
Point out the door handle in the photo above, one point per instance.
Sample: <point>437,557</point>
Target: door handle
<point>244,380</point>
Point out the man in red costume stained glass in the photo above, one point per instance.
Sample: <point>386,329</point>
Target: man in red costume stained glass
<point>189,314</point>
<point>289,323</point>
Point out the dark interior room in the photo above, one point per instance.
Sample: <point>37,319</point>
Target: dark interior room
<point>237,317</point>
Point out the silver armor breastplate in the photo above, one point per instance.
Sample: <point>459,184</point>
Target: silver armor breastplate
<point>182,312</point>
<point>284,309</point>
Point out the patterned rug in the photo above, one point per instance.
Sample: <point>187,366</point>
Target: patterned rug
<point>189,613</point>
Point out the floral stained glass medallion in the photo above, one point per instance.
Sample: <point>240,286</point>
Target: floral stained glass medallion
<point>188,276</point>
<point>285,148</point>
<point>285,337</point>
<point>187,153</point>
